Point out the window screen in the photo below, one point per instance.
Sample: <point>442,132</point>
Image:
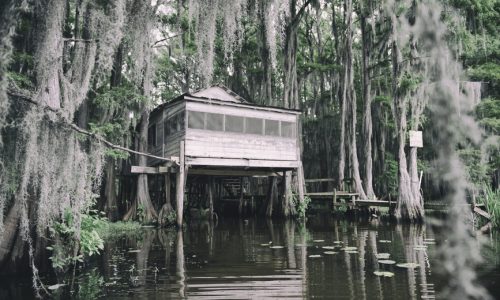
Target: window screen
<point>234,124</point>
<point>253,125</point>
<point>287,129</point>
<point>173,124</point>
<point>272,127</point>
<point>166,128</point>
<point>215,122</point>
<point>152,135</point>
<point>196,120</point>
<point>180,121</point>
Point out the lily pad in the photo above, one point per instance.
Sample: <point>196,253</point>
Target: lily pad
<point>420,247</point>
<point>349,248</point>
<point>264,245</point>
<point>338,242</point>
<point>382,255</point>
<point>330,252</point>
<point>328,247</point>
<point>429,243</point>
<point>384,241</point>
<point>383,274</point>
<point>386,262</point>
<point>134,251</point>
<point>314,256</point>
<point>351,251</point>
<point>300,245</point>
<point>408,265</point>
<point>55,286</point>
<point>319,241</point>
<point>276,247</point>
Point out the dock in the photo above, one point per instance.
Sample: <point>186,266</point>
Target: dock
<point>349,198</point>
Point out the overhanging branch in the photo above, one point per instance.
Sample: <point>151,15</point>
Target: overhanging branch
<point>74,127</point>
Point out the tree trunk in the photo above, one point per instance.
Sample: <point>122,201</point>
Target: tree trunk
<point>349,105</point>
<point>267,95</point>
<point>167,208</point>
<point>408,206</point>
<point>367,115</point>
<point>142,198</point>
<point>110,190</point>
<point>49,52</point>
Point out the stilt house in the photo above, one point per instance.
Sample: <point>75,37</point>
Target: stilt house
<point>216,132</point>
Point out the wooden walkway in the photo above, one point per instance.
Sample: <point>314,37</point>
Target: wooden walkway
<point>349,199</point>
<point>352,199</point>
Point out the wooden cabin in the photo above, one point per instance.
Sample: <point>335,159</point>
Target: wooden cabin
<point>216,132</point>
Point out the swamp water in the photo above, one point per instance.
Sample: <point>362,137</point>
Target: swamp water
<point>259,258</point>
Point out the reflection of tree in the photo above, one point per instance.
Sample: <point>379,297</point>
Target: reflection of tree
<point>303,257</point>
<point>289,232</point>
<point>143,255</point>
<point>373,245</point>
<point>362,271</point>
<point>180,267</point>
<point>411,236</point>
<point>166,238</point>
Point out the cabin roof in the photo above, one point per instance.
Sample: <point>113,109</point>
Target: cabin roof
<point>219,92</point>
<point>220,95</point>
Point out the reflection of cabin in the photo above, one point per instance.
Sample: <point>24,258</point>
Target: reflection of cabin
<point>216,132</point>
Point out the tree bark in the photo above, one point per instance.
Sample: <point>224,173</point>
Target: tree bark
<point>142,198</point>
<point>110,190</point>
<point>367,114</point>
<point>408,206</point>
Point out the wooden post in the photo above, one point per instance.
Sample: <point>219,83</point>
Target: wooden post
<point>211,197</point>
<point>270,197</point>
<point>180,184</point>
<point>167,190</point>
<point>300,176</point>
<point>240,207</point>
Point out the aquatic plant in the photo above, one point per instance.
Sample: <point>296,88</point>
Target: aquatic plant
<point>301,206</point>
<point>491,199</point>
<point>73,244</point>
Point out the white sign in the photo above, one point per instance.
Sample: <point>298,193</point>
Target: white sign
<point>416,139</point>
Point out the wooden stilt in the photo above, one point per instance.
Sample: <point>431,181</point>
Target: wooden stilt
<point>288,208</point>
<point>240,207</point>
<point>300,177</point>
<point>168,200</point>
<point>270,196</point>
<point>180,184</point>
<point>211,191</point>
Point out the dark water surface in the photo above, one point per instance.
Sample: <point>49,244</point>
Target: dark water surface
<point>258,258</point>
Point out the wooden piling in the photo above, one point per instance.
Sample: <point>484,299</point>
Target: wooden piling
<point>240,207</point>
<point>180,185</point>
<point>168,200</point>
<point>211,191</point>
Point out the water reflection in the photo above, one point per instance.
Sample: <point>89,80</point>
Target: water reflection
<point>259,258</point>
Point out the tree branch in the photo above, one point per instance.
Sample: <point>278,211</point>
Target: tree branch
<point>301,11</point>
<point>74,127</point>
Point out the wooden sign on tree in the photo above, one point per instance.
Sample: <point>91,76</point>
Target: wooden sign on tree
<point>416,139</point>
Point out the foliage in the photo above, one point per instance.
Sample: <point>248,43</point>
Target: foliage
<point>90,285</point>
<point>389,177</point>
<point>301,206</point>
<point>491,199</point>
<point>20,80</point>
<point>69,247</point>
<point>169,218</point>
